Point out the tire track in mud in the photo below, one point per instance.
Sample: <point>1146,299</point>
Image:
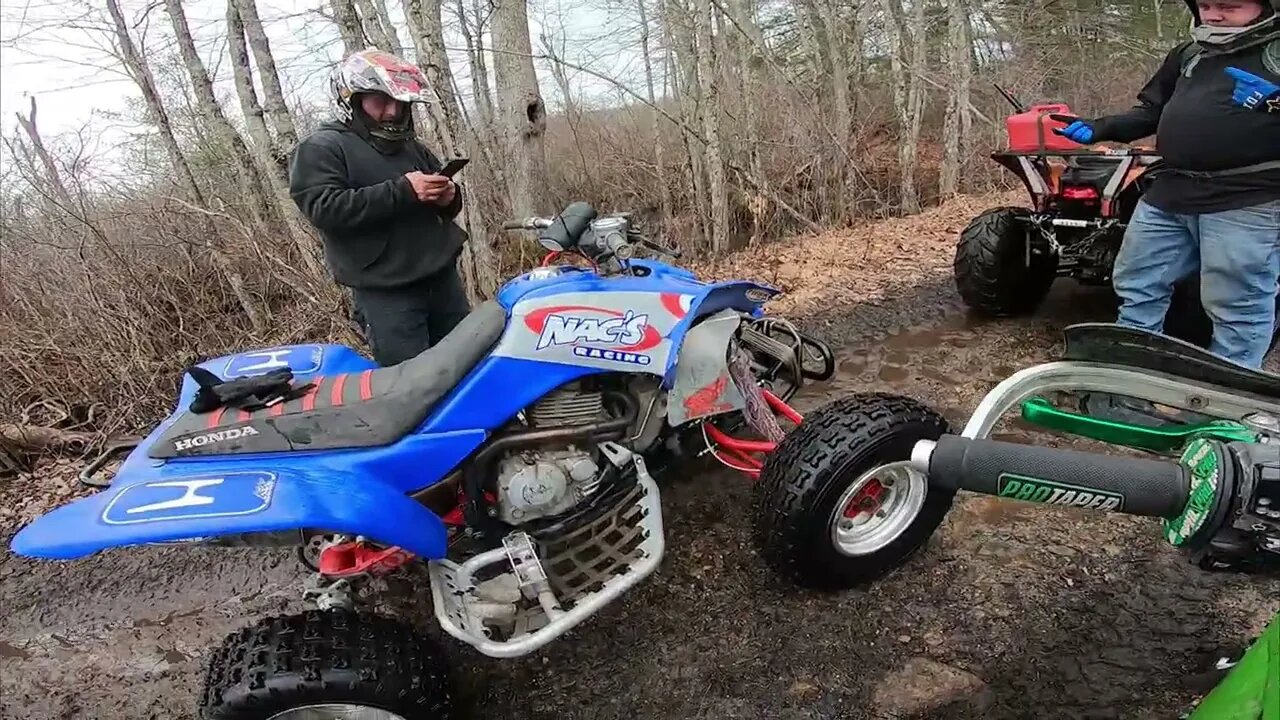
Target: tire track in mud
<point>1037,612</point>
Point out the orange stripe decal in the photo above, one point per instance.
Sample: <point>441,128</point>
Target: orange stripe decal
<point>243,416</point>
<point>278,409</point>
<point>309,400</point>
<point>366,385</point>
<point>216,418</point>
<point>335,399</point>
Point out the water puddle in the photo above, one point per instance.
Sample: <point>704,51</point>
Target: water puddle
<point>897,358</point>
<point>930,373</point>
<point>894,373</point>
<point>955,332</point>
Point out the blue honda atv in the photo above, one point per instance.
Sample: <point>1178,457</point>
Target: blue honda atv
<point>513,459</point>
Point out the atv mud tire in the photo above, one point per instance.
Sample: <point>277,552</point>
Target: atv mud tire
<point>324,657</point>
<point>990,265</point>
<point>794,502</point>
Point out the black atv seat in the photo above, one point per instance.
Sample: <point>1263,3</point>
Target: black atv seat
<point>1116,345</point>
<point>1094,170</point>
<point>354,410</point>
<point>1109,162</point>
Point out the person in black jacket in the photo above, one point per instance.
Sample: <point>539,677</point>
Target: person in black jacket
<point>385,214</point>
<point>1214,106</point>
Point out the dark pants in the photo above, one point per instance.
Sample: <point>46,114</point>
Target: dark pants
<point>400,323</point>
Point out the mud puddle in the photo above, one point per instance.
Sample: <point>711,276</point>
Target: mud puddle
<point>1012,611</point>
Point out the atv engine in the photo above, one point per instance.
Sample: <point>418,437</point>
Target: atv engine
<point>538,483</point>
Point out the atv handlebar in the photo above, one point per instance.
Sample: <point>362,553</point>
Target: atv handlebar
<point>1055,476</point>
<point>579,227</point>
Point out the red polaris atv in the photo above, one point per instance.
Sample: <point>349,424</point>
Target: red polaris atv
<point>1081,202</point>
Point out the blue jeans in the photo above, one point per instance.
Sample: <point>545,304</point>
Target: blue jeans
<point>1238,255</point>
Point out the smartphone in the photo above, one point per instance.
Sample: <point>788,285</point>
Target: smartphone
<point>453,166</point>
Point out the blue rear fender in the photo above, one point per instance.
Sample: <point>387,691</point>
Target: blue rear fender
<point>224,499</point>
<point>740,295</point>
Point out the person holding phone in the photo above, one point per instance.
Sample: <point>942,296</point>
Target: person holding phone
<point>1214,106</point>
<point>384,206</point>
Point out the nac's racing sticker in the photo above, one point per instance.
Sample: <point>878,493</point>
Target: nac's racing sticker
<point>595,332</point>
<point>625,330</point>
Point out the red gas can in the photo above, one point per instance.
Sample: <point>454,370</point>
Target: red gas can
<point>1032,130</point>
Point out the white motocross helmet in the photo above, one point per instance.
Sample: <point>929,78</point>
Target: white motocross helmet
<point>1231,39</point>
<point>374,71</point>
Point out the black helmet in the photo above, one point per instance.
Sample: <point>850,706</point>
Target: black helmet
<point>1226,40</point>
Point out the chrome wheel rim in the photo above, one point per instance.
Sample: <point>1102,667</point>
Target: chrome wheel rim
<point>877,508</point>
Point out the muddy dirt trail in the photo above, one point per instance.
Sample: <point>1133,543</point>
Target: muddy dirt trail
<point>1012,611</point>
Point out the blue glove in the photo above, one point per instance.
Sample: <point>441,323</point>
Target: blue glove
<point>1253,92</point>
<point>1078,131</point>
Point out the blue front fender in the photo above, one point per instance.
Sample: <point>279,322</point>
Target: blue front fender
<point>213,504</point>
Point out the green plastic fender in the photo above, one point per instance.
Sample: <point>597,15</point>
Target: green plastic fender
<point>1251,691</point>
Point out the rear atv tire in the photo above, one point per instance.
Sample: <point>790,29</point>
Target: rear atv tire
<point>990,267</point>
<point>326,657</point>
<point>795,503</point>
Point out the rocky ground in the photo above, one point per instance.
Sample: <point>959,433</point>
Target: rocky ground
<point>1012,611</point>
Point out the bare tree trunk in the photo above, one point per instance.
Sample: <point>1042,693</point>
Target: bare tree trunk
<point>479,67</point>
<point>857,48</point>
<point>273,94</point>
<point>51,174</point>
<point>916,96</point>
<point>349,27</point>
<point>746,40</point>
<point>428,42</point>
<point>903,102</point>
<point>251,178</point>
<point>679,20</point>
<point>254,117</point>
<point>141,74</point>
<point>270,160</point>
<point>811,37</point>
<point>957,122</point>
<point>711,128</point>
<point>384,19</point>
<point>381,36</point>
<point>837,52</point>
<point>524,116</point>
<point>670,62</point>
<point>664,209</point>
<point>479,263</point>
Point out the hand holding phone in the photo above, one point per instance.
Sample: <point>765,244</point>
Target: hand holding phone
<point>453,166</point>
